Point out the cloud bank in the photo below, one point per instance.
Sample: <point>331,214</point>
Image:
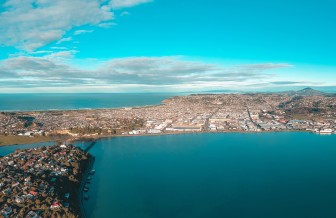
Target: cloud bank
<point>58,70</point>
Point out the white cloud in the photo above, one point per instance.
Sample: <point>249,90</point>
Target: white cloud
<point>31,24</point>
<point>41,52</point>
<point>58,69</point>
<point>62,55</point>
<point>66,39</point>
<point>107,24</point>
<point>79,32</point>
<point>58,48</point>
<point>118,4</point>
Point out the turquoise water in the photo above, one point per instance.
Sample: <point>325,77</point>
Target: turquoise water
<point>215,175</point>
<point>29,102</point>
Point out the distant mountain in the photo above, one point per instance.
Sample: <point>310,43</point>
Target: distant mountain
<point>303,92</point>
<point>306,92</point>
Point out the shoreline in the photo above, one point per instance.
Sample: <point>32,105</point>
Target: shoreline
<point>86,138</point>
<point>86,174</point>
<point>79,109</point>
<point>87,109</point>
<point>96,138</point>
<point>91,138</point>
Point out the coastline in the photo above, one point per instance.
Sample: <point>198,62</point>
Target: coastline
<point>86,174</point>
<point>79,109</point>
<point>158,98</point>
<point>86,138</point>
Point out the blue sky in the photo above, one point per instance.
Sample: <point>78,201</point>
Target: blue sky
<point>164,45</point>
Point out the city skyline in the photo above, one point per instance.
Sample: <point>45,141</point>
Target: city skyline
<point>156,45</point>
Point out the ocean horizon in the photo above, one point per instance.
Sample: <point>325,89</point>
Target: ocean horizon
<point>78,101</point>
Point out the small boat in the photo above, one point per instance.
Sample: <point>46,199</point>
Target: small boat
<point>92,172</point>
<point>86,189</point>
<point>89,178</point>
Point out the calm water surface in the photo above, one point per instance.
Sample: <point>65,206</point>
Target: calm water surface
<point>215,175</point>
<point>29,102</point>
<point>5,150</point>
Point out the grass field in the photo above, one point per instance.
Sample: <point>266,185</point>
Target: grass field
<point>12,140</point>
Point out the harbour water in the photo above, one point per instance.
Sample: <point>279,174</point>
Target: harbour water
<point>5,150</point>
<point>214,175</point>
<point>31,102</point>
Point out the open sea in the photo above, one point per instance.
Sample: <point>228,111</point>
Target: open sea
<point>234,175</point>
<point>33,102</point>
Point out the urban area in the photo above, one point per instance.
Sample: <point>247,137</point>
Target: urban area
<point>299,111</point>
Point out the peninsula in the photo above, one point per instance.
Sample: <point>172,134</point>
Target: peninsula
<point>304,110</point>
<point>42,182</point>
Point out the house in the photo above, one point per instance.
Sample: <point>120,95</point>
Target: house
<point>29,133</point>
<point>19,199</point>
<point>30,196</point>
<point>15,184</point>
<point>33,193</point>
<point>154,131</point>
<point>7,191</point>
<point>55,205</point>
<point>32,214</point>
<point>6,211</point>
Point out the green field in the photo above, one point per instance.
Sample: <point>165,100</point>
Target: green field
<point>11,140</point>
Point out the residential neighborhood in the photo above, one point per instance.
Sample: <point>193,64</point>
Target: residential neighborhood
<point>42,182</point>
